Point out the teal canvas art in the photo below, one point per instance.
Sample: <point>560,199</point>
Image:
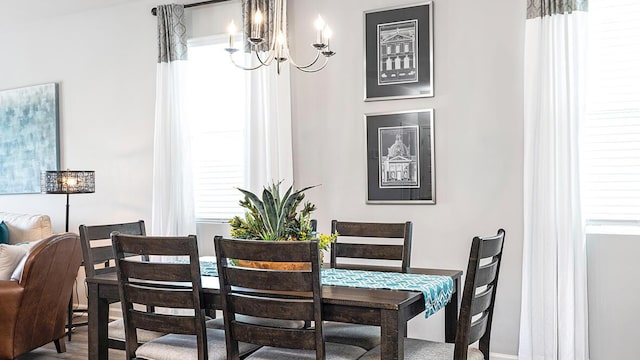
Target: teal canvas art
<point>28,137</point>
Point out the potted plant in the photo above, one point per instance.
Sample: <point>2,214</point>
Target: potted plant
<point>276,217</point>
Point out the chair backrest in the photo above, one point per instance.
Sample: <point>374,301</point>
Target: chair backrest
<point>96,245</point>
<point>49,273</point>
<point>154,283</point>
<point>479,295</point>
<point>370,250</point>
<point>270,293</point>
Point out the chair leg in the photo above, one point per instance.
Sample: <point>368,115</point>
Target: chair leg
<point>70,317</point>
<point>60,346</point>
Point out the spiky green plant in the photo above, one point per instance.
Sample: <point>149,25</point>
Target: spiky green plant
<point>273,217</point>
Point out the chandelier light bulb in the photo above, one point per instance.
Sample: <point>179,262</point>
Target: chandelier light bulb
<point>232,30</point>
<point>327,33</point>
<point>319,23</point>
<point>257,17</point>
<point>256,28</point>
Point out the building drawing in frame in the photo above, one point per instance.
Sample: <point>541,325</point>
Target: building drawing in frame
<point>400,157</point>
<point>397,52</point>
<point>399,162</point>
<point>29,142</point>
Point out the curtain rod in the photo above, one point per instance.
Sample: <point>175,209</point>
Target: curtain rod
<point>154,11</point>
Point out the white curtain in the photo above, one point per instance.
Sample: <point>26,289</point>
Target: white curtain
<point>270,151</point>
<point>172,198</point>
<point>553,321</point>
<point>270,145</point>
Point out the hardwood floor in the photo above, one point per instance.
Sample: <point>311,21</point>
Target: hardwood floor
<point>76,349</point>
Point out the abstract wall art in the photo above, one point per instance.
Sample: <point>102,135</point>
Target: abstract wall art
<point>29,141</point>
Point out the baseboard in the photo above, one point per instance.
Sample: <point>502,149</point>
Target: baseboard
<point>496,356</point>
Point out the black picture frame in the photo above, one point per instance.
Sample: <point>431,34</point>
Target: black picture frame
<point>408,31</point>
<point>400,157</point>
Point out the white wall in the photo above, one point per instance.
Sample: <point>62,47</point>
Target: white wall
<point>613,296</point>
<point>478,138</point>
<point>104,61</point>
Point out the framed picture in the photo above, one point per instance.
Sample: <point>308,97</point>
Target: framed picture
<point>29,142</point>
<point>399,52</point>
<point>400,157</point>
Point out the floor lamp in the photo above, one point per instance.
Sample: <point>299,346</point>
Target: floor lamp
<point>68,182</point>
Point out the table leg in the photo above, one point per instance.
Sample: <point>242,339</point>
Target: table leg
<point>98,320</point>
<point>451,314</point>
<point>392,334</point>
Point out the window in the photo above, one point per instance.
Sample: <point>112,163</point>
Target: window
<point>611,133</point>
<point>217,110</point>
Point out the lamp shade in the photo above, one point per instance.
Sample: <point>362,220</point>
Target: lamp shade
<point>67,182</point>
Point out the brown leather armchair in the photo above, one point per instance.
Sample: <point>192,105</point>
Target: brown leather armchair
<point>33,311</point>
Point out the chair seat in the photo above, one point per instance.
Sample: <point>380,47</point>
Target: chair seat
<point>178,346</point>
<point>332,351</point>
<point>116,332</point>
<point>415,349</point>
<point>364,336</point>
<point>218,323</point>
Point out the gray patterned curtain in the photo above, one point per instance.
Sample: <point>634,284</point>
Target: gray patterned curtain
<point>540,8</point>
<point>267,7</point>
<point>172,209</point>
<point>172,33</point>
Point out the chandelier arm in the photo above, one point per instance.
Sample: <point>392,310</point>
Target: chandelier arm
<point>307,70</point>
<point>304,66</point>
<point>268,60</point>
<point>244,67</point>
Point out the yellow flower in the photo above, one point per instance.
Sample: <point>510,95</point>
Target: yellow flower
<point>325,240</point>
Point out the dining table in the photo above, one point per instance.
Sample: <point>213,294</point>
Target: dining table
<point>390,309</point>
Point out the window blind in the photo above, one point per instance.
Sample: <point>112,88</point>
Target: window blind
<point>611,131</point>
<point>216,109</point>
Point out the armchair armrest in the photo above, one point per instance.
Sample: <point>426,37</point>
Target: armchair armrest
<point>10,294</point>
<point>10,298</point>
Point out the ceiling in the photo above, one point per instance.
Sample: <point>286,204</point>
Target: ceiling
<point>20,11</point>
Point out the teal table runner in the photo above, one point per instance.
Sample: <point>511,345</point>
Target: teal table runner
<point>208,266</point>
<point>437,289</point>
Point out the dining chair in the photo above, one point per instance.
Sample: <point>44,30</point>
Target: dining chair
<point>476,310</point>
<point>219,322</point>
<point>390,242</point>
<point>166,278</point>
<point>275,294</point>
<point>99,259</point>
<point>370,244</point>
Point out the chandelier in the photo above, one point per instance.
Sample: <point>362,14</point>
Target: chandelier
<point>271,45</point>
